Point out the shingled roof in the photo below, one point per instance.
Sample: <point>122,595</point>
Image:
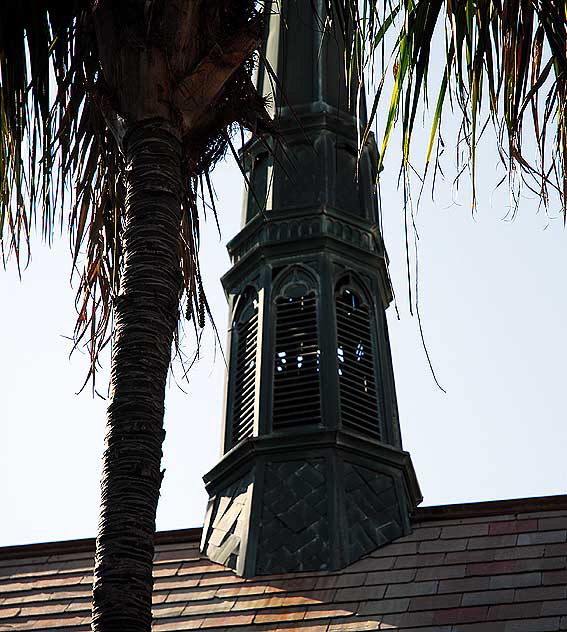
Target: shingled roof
<point>490,567</point>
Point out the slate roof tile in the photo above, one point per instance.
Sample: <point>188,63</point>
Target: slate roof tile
<point>171,583</point>
<point>552,523</point>
<point>542,537</point>
<point>303,627</point>
<point>79,604</point>
<point>227,620</point>
<point>43,623</point>
<point>409,619</point>
<point>493,542</point>
<point>440,572</point>
<point>465,572</point>
<point>512,526</point>
<point>362,593</point>
<point>551,513</point>
<point>435,602</point>
<point>555,549</point>
<point>552,578</point>
<point>353,626</point>
<point>442,546</point>
<point>384,606</point>
<point>452,616</point>
<point>176,624</point>
<point>327,582</point>
<point>493,568</point>
<point>554,607</point>
<point>515,581</point>
<point>23,561</point>
<point>488,597</point>
<point>464,531</point>
<point>434,628</point>
<point>480,518</point>
<point>516,610</point>
<point>191,594</point>
<point>166,570</point>
<point>411,589</point>
<point>540,593</point>
<point>533,625</point>
<point>419,561</point>
<point>219,579</point>
<point>374,563</point>
<point>330,611</point>
<point>508,553</point>
<point>350,579</point>
<point>241,589</point>
<point>208,606</point>
<point>267,615</point>
<point>400,576</point>
<point>397,549</point>
<point>167,610</point>
<point>465,584</point>
<point>422,533</point>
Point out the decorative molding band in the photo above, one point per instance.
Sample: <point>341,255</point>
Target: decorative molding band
<point>300,229</point>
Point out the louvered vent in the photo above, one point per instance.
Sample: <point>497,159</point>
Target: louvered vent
<point>357,381</point>
<point>297,400</point>
<point>245,374</point>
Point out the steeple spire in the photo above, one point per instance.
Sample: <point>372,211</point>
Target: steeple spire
<point>308,59</point>
<point>313,474</point>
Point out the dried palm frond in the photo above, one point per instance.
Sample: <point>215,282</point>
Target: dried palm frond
<point>62,114</point>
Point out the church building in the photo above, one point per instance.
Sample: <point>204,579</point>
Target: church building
<point>313,522</point>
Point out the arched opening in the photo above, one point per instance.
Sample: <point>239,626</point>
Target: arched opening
<point>359,405</point>
<point>297,398</point>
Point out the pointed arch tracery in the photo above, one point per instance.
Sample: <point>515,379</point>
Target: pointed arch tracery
<point>297,389</point>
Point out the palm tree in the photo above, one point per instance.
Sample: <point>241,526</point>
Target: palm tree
<point>145,94</point>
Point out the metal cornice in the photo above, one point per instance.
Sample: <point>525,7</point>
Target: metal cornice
<point>244,454</point>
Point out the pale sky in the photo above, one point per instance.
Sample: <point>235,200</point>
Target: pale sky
<point>493,310</point>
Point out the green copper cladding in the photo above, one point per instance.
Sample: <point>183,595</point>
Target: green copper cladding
<point>319,118</point>
<point>312,474</point>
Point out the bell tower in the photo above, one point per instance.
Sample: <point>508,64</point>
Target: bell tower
<point>312,474</point>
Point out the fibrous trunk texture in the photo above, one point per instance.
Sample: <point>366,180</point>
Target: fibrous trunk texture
<point>146,312</point>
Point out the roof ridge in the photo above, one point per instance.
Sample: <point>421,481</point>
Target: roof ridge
<point>421,514</point>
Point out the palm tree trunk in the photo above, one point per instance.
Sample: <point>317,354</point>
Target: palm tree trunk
<point>145,311</point>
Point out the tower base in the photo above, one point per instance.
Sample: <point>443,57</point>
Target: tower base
<point>309,502</point>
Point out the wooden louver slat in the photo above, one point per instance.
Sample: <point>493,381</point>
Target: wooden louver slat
<point>357,380</point>
<point>245,379</point>
<point>297,400</point>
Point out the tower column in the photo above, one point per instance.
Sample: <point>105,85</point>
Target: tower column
<point>313,474</point>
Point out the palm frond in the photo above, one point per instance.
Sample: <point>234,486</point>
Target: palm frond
<point>57,156</point>
<point>60,147</point>
<point>29,39</point>
<point>504,61</point>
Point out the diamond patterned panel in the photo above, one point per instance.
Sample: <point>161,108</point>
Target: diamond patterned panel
<point>372,510</point>
<point>294,531</point>
<point>227,524</point>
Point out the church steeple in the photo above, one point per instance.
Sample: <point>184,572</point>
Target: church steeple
<point>313,474</point>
